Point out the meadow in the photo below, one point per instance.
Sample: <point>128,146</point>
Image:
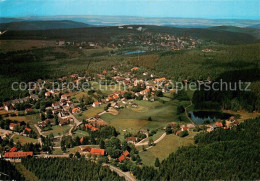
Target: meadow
<point>165,147</point>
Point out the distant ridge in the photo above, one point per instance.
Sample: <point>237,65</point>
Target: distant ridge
<point>255,26</point>
<point>134,20</point>
<point>42,25</point>
<point>248,30</point>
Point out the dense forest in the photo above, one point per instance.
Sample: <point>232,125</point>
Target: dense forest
<point>219,155</point>
<point>8,171</point>
<point>68,169</point>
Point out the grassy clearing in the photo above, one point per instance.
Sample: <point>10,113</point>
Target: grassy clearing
<point>92,112</point>
<point>133,119</point>
<point>17,118</point>
<point>33,119</point>
<point>14,45</point>
<point>168,145</point>
<point>56,130</point>
<point>29,176</point>
<point>80,133</point>
<point>23,140</point>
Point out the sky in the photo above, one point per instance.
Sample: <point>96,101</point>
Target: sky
<point>208,9</point>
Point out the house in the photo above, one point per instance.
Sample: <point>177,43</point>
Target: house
<point>124,101</point>
<point>61,113</point>
<point>81,140</point>
<point>92,128</point>
<point>12,126</point>
<point>75,110</point>
<point>96,151</point>
<point>34,97</point>
<point>55,105</point>
<point>132,140</point>
<point>145,92</point>
<point>14,155</point>
<point>96,104</point>
<point>8,106</point>
<point>190,126</point>
<point>49,94</point>
<point>28,110</point>
<point>61,43</point>
<point>123,156</point>
<point>160,80</point>
<point>27,130</point>
<point>14,149</point>
<point>87,149</point>
<point>219,124</point>
<point>185,128</point>
<point>65,96</point>
<point>135,68</point>
<point>134,105</point>
<point>209,129</point>
<point>64,122</point>
<point>178,132</point>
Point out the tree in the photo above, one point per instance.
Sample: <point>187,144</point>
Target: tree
<point>180,109</point>
<point>49,114</point>
<point>77,154</point>
<point>63,148</point>
<point>138,159</point>
<point>102,144</point>
<point>157,162</point>
<point>56,119</point>
<point>168,129</point>
<point>150,142</point>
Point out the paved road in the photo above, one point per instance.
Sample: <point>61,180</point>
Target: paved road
<point>127,175</point>
<point>146,143</point>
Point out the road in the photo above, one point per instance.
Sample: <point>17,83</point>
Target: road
<point>146,143</point>
<point>127,175</point>
<point>186,113</point>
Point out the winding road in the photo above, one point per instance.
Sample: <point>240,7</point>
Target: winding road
<point>146,142</point>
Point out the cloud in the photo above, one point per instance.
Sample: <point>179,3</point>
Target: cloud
<point>2,1</point>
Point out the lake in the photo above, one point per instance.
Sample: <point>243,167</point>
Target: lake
<point>134,52</point>
<point>201,116</point>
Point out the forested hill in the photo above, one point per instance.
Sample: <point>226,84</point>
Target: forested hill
<point>220,155</point>
<point>41,25</point>
<point>68,169</point>
<point>251,31</point>
<point>109,33</point>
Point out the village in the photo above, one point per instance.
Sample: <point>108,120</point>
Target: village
<point>140,37</point>
<point>78,122</point>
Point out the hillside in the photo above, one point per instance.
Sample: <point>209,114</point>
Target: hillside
<point>250,30</point>
<point>255,26</point>
<point>41,25</point>
<point>107,33</point>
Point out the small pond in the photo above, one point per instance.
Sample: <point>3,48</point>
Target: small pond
<point>200,117</point>
<point>134,52</point>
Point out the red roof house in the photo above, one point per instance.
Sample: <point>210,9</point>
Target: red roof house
<point>12,126</point>
<point>96,151</point>
<point>14,149</point>
<point>92,128</point>
<point>27,129</point>
<point>17,154</point>
<point>219,124</point>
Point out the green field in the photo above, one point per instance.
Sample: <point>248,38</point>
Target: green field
<point>80,133</point>
<point>162,149</point>
<point>23,140</point>
<point>133,119</point>
<point>58,129</point>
